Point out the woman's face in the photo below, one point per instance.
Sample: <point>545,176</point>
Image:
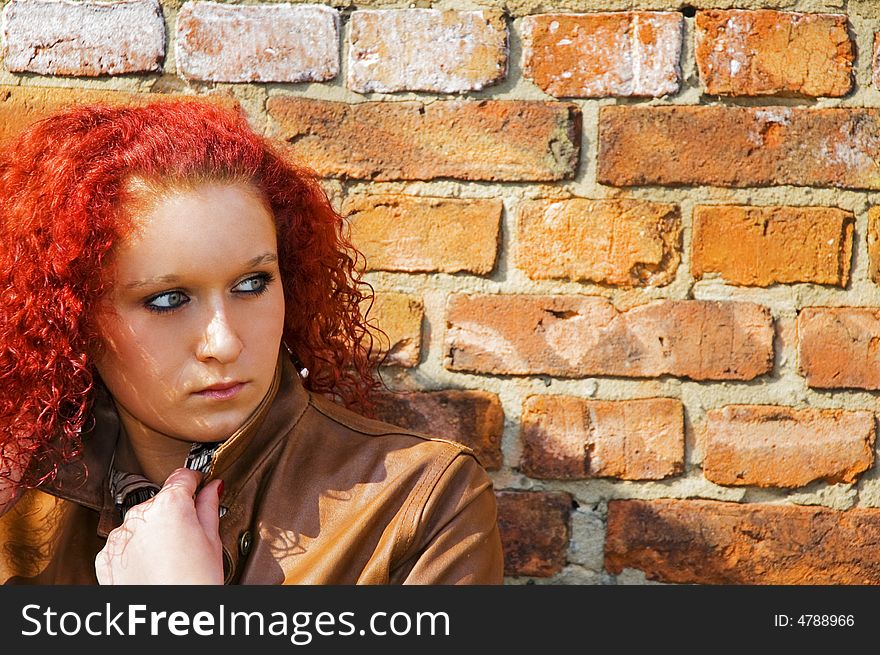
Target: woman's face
<point>193,324</point>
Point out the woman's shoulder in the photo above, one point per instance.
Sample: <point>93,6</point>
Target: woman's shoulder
<point>364,432</point>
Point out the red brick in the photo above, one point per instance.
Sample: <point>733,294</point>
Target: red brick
<point>83,38</point>
<point>876,61</point>
<point>257,43</point>
<point>874,243</point>
<point>839,347</point>
<point>581,336</point>
<point>473,418</point>
<point>426,50</point>
<point>760,246</point>
<point>772,446</point>
<point>622,242</point>
<point>399,315</point>
<point>766,52</point>
<point>23,106</point>
<point>572,438</point>
<point>739,146</point>
<point>535,531</point>
<point>603,54</point>
<point>710,542</point>
<point>470,140</point>
<point>425,235</point>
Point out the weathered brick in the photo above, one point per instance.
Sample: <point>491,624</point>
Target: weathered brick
<point>572,438</point>
<point>603,54</point>
<point>535,530</point>
<point>400,316</point>
<point>470,140</point>
<point>474,418</point>
<point>760,246</point>
<point>423,234</point>
<point>739,146</point>
<point>874,243</point>
<point>83,38</point>
<point>711,542</point>
<point>257,43</point>
<point>426,50</point>
<point>23,106</point>
<point>876,61</point>
<point>839,347</point>
<point>580,336</point>
<point>765,52</point>
<point>623,242</point>
<point>772,446</point>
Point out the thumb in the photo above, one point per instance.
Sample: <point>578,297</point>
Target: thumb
<point>183,479</point>
<point>208,507</point>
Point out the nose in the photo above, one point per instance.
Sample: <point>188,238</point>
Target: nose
<point>220,341</point>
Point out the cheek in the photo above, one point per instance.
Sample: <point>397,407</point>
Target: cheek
<point>270,325</point>
<point>128,352</point>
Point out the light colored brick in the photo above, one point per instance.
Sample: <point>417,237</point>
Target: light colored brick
<point>257,43</point>
<point>839,347</point>
<point>711,542</point>
<point>535,531</point>
<point>581,336</point>
<point>754,53</point>
<point>771,446</point>
<point>423,234</point>
<point>874,243</point>
<point>59,37</point>
<point>473,418</point>
<point>760,246</point>
<point>622,242</point>
<point>400,316</point>
<point>875,60</point>
<point>603,54</point>
<point>23,106</point>
<point>426,50</point>
<point>572,438</point>
<point>739,146</point>
<point>471,140</point>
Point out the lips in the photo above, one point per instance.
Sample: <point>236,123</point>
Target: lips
<point>221,386</point>
<point>221,390</point>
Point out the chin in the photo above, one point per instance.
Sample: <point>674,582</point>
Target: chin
<point>215,431</point>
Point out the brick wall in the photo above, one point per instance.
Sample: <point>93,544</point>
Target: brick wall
<point>627,250</point>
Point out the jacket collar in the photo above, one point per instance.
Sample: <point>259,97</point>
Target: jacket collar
<point>86,480</point>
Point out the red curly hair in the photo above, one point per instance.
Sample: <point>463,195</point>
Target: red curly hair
<point>62,209</point>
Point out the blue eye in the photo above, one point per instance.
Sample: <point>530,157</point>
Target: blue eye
<point>166,302</point>
<point>254,285</point>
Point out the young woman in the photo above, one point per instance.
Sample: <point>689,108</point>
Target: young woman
<point>184,369</point>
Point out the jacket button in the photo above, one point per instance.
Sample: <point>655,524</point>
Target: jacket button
<point>244,543</point>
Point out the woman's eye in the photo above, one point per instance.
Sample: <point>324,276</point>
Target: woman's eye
<point>168,301</point>
<point>256,284</point>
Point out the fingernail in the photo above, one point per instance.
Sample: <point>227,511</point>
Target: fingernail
<point>220,488</point>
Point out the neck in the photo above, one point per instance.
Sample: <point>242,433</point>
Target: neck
<point>145,451</point>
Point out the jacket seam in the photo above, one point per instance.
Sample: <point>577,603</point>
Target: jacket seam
<point>417,502</point>
<point>399,431</point>
<point>235,561</point>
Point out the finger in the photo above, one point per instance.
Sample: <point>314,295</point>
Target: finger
<point>184,479</point>
<point>102,568</point>
<point>208,508</point>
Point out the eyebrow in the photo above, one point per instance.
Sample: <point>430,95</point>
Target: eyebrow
<point>265,258</point>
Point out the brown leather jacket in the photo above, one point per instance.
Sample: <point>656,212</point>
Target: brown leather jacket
<point>315,494</point>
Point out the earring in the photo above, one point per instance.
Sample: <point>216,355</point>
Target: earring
<point>302,370</point>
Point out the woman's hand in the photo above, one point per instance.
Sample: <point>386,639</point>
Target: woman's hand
<point>172,538</point>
